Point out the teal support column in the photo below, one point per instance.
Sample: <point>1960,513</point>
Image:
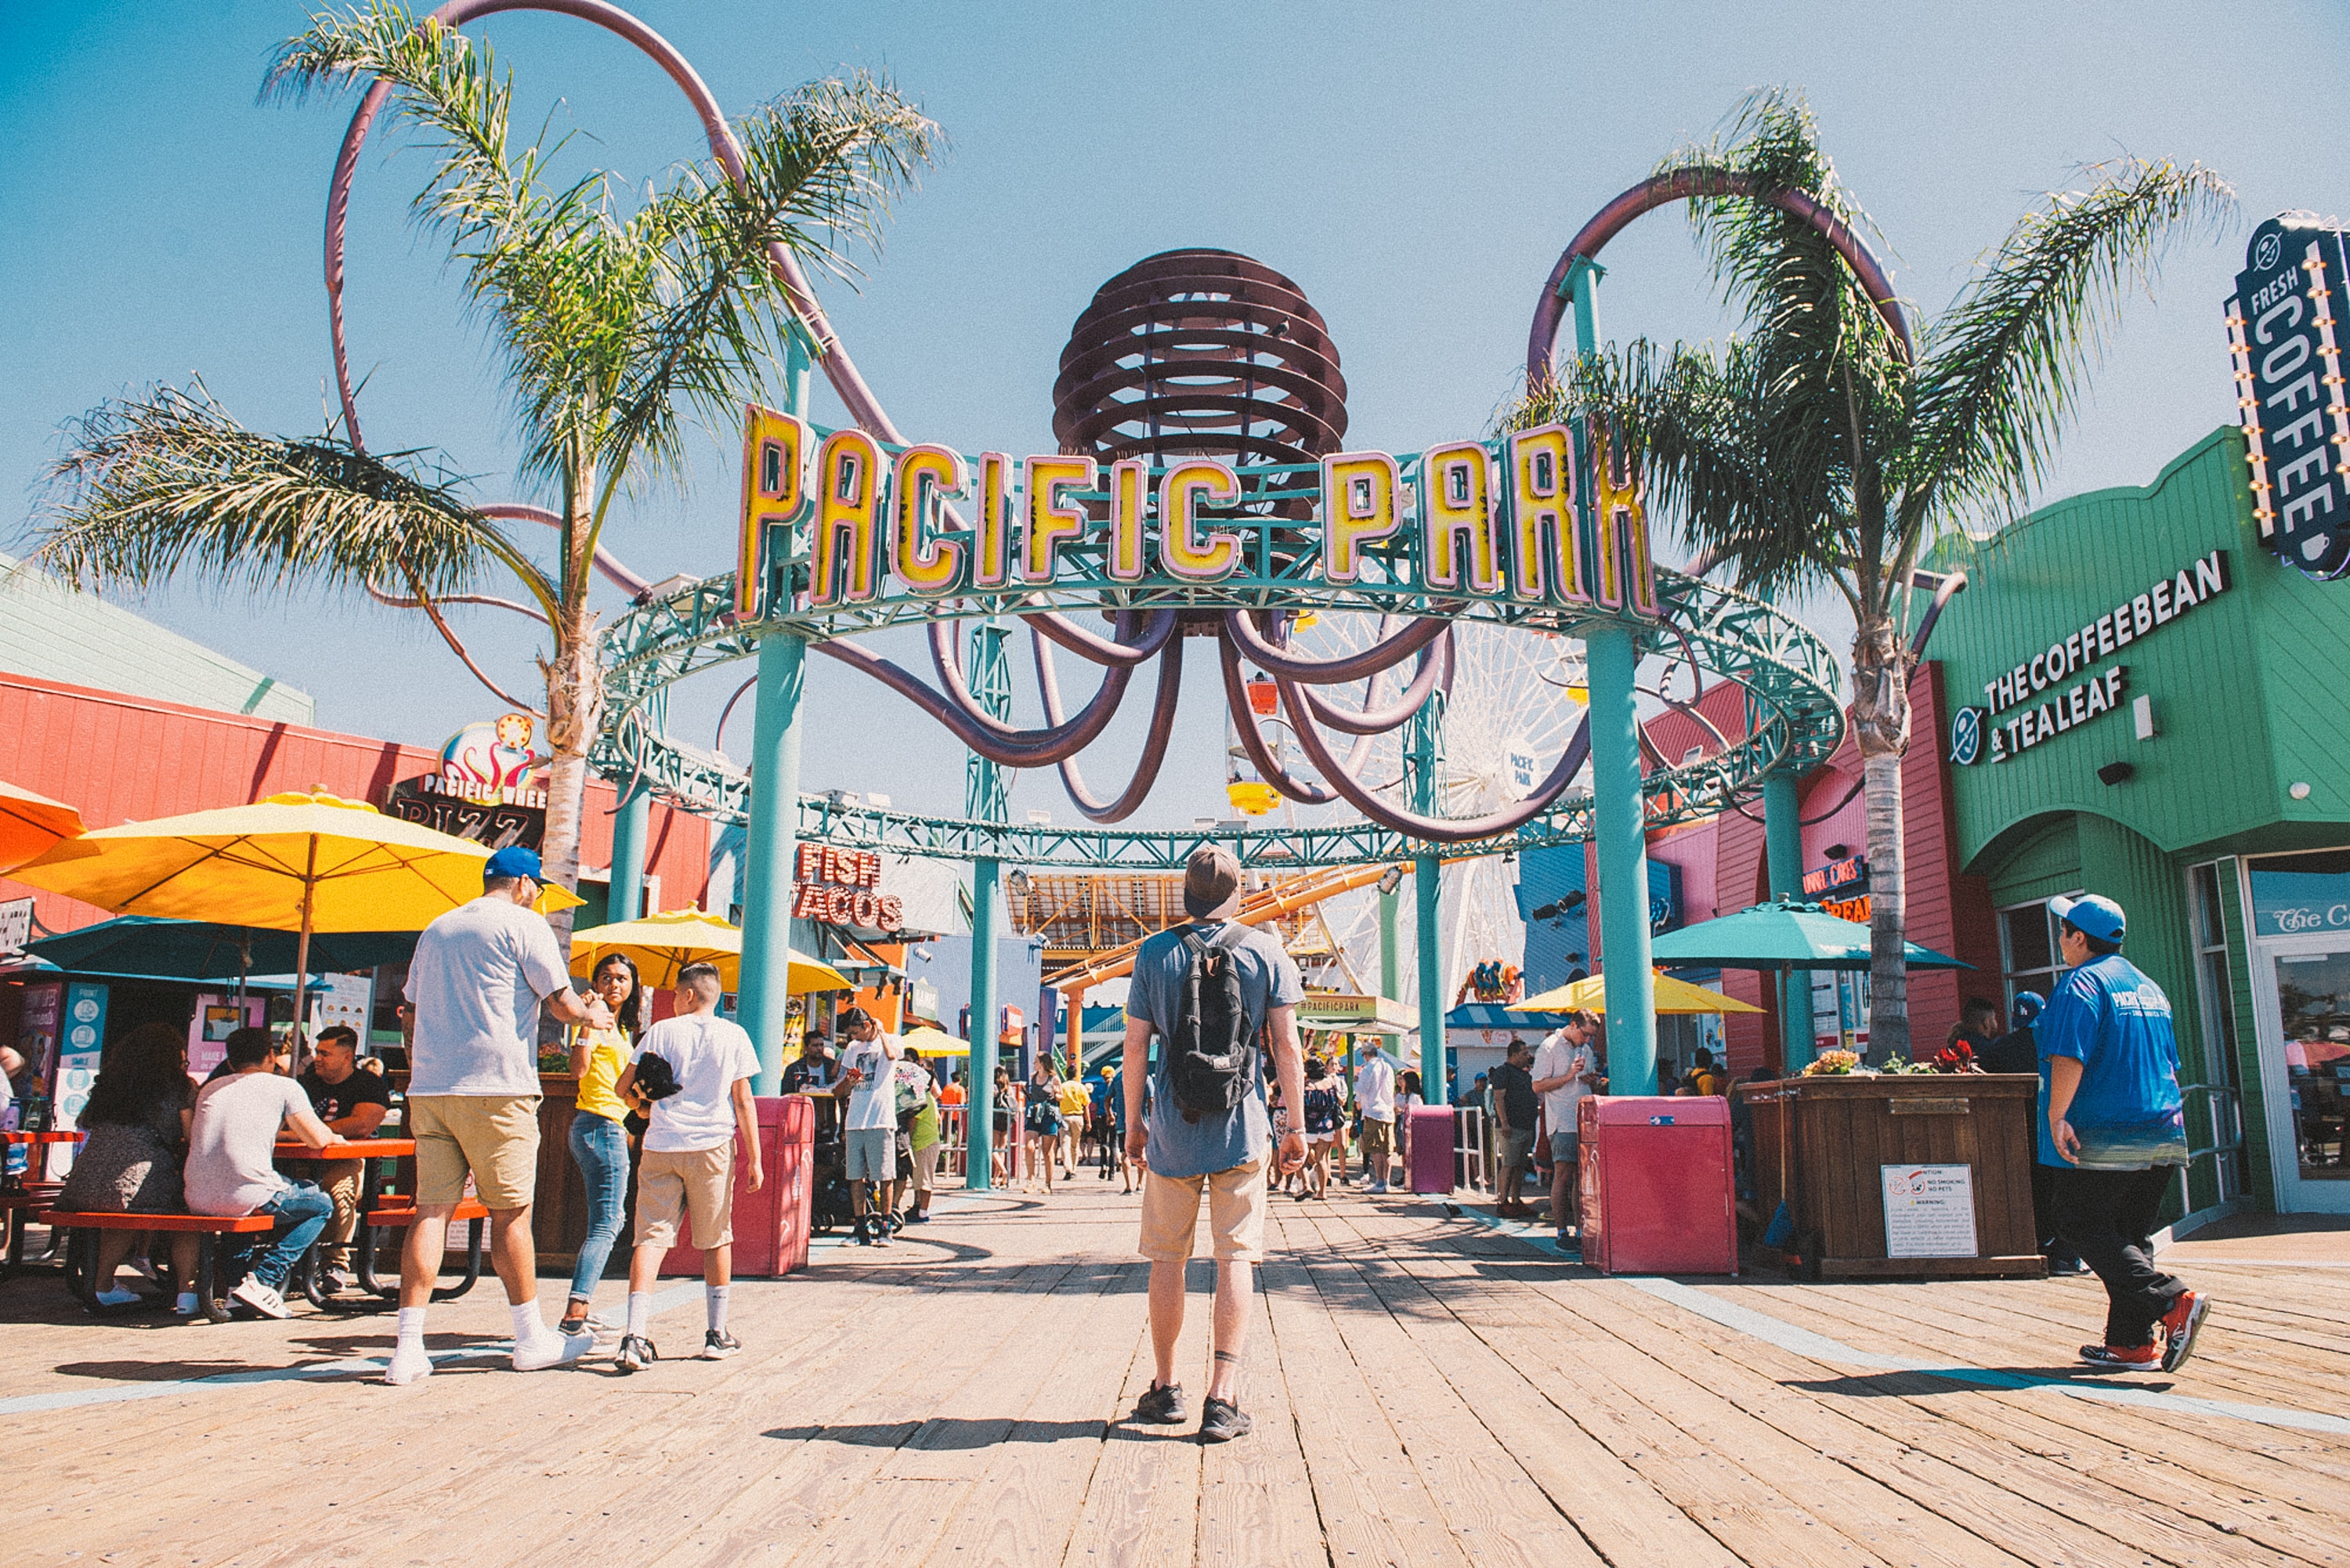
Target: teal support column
<point>764,998</point>
<point>1390,957</point>
<point>1427,878</point>
<point>627,897</point>
<point>1620,837</point>
<point>979,1158</point>
<point>1783,836</point>
<point>762,995</point>
<point>1618,824</point>
<point>985,798</point>
<point>1423,762</point>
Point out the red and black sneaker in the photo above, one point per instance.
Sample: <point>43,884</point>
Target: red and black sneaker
<point>2123,1357</point>
<point>2179,1325</point>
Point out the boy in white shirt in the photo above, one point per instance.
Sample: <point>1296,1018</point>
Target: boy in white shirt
<point>688,1167</point>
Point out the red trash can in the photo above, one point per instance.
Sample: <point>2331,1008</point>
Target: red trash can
<point>1431,1149</point>
<point>1657,1193</point>
<point>771,1225</point>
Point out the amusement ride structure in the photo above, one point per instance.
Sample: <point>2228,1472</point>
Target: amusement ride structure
<point>1425,657</point>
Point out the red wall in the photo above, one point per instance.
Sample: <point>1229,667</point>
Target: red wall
<point>120,759</point>
<point>1723,871</point>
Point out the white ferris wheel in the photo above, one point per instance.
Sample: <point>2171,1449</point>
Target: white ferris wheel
<point>1515,700</point>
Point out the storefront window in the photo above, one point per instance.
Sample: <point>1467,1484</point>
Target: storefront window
<point>2027,949</point>
<point>2221,1089</point>
<point>2313,1006</point>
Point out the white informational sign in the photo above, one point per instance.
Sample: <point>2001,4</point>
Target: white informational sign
<point>16,924</point>
<point>349,1000</point>
<point>1930,1210</point>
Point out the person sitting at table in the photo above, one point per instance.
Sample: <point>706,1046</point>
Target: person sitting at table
<point>231,1141</point>
<point>354,1103</point>
<point>137,1116</point>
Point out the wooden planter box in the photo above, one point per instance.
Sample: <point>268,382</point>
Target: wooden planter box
<point>1849,1153</point>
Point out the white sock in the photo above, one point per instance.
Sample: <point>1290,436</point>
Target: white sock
<point>640,1311</point>
<point>527,1324</point>
<point>714,1298</point>
<point>411,1328</point>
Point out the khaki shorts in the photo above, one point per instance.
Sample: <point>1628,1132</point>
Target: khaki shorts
<point>495,1137</point>
<point>926,1167</point>
<point>1170,1212</point>
<point>698,1182</point>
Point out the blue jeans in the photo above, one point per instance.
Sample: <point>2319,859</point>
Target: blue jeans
<point>301,1211</point>
<point>601,1146</point>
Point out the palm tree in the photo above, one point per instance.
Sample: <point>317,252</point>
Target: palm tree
<point>615,328</point>
<point>1818,448</point>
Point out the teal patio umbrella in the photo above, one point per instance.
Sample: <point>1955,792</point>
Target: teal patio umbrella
<point>1781,937</point>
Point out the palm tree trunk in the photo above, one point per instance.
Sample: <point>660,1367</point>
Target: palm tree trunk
<point>574,702</point>
<point>1881,718</point>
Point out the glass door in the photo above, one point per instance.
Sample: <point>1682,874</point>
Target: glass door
<point>2305,1004</point>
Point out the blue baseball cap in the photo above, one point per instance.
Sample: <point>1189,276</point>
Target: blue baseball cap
<point>2094,915</point>
<point>514,860</point>
<point>2027,1005</point>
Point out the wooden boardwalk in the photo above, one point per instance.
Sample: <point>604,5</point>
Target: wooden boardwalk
<point>1426,1390</point>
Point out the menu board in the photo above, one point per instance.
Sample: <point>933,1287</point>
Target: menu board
<point>1930,1210</point>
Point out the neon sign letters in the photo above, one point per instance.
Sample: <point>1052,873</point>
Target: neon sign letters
<point>1476,519</point>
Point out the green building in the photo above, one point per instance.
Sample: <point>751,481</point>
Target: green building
<point>2159,709</point>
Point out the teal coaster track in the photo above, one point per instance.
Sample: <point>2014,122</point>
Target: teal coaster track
<point>1795,717</point>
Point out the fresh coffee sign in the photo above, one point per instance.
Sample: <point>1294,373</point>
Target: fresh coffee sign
<point>2285,334</point>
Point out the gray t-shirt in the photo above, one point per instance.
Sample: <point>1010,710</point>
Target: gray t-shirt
<point>476,981</point>
<point>1269,979</point>
<point>229,1169</point>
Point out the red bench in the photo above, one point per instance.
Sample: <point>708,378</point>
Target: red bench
<point>397,1212</point>
<point>82,1245</point>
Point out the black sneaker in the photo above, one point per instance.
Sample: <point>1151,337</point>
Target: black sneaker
<point>1161,1405</point>
<point>1220,1420</point>
<point>717,1344</point>
<point>637,1353</point>
<point>864,1232</point>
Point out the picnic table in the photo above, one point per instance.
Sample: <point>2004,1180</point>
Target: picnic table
<point>16,1199</point>
<point>380,1212</point>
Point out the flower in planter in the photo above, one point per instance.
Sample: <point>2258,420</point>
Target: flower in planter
<point>1833,1064</point>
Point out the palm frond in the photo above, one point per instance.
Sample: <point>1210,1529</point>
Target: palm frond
<point>2004,365</point>
<point>154,485</point>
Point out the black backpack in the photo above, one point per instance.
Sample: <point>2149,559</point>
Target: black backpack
<point>1211,1054</point>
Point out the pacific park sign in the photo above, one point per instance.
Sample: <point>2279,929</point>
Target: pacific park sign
<point>1466,520</point>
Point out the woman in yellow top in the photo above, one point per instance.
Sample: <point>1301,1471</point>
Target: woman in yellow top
<point>1077,1104</point>
<point>599,1142</point>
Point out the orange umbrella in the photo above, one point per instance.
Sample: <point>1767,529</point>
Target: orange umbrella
<point>30,823</point>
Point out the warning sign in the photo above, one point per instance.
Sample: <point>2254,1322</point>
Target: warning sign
<point>1930,1210</point>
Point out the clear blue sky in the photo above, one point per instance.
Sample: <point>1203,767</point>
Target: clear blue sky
<point>1417,169</point>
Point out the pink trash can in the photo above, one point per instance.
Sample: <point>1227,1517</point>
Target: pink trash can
<point>1657,1193</point>
<point>1431,1149</point>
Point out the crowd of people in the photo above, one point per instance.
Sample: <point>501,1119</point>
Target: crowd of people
<point>1214,1099</point>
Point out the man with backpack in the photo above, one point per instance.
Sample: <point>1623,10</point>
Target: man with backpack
<point>1214,994</point>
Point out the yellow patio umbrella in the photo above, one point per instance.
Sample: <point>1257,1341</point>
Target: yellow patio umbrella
<point>31,823</point>
<point>660,945</point>
<point>295,862</point>
<point>1590,994</point>
<point>935,1043</point>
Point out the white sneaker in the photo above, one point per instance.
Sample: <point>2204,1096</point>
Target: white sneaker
<point>260,1297</point>
<point>186,1306</point>
<point>548,1348</point>
<point>410,1364</point>
<point>116,1298</point>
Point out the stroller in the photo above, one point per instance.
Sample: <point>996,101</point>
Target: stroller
<point>828,1202</point>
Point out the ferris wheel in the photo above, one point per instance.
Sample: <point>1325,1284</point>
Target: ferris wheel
<point>1515,699</point>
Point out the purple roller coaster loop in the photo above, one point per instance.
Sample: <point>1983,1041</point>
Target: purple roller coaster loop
<point>1435,672</point>
<point>1283,666</point>
<point>1682,185</point>
<point>1154,744</point>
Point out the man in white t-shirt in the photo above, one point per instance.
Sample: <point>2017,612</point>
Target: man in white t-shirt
<point>480,976</point>
<point>230,1169</point>
<point>868,1083</point>
<point>1375,1087</point>
<point>1566,1069</point>
<point>688,1164</point>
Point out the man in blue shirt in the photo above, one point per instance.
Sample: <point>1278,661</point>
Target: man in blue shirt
<point>2114,1118</point>
<point>1183,1152</point>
